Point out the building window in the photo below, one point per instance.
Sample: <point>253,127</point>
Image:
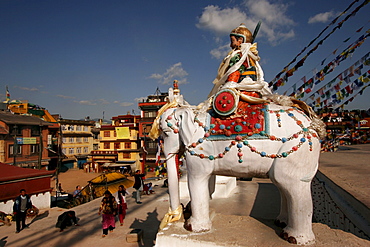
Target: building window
<point>64,140</point>
<point>126,155</point>
<point>106,145</point>
<point>78,150</point>
<point>78,139</point>
<point>127,145</point>
<point>64,151</point>
<point>86,139</point>
<point>114,133</point>
<point>106,133</point>
<point>71,139</point>
<point>71,151</point>
<point>150,114</point>
<point>71,128</point>
<point>16,130</point>
<point>86,150</point>
<point>11,150</point>
<point>34,149</point>
<point>35,131</point>
<point>95,146</point>
<point>86,128</point>
<point>117,145</point>
<point>78,128</point>
<point>63,127</point>
<point>152,145</point>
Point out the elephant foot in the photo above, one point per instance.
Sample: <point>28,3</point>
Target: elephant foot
<point>195,226</point>
<point>288,238</point>
<point>293,240</point>
<point>280,223</point>
<point>187,226</point>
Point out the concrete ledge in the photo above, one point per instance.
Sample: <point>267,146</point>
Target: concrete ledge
<point>232,230</point>
<point>224,186</point>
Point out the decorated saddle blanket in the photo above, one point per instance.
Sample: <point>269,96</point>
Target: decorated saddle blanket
<point>247,119</point>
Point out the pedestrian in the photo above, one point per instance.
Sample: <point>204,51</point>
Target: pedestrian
<point>4,219</point>
<point>77,192</point>
<point>66,219</point>
<point>120,196</point>
<point>21,205</point>
<point>139,185</point>
<point>77,196</point>
<point>108,210</point>
<point>90,191</point>
<point>60,188</point>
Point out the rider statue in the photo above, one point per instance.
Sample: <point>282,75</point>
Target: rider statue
<point>240,68</point>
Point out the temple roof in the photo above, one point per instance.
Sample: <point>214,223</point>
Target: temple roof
<point>10,173</point>
<point>10,118</point>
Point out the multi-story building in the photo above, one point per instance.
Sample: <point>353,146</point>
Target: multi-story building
<point>29,109</point>
<point>119,145</point>
<point>24,140</point>
<point>77,141</point>
<point>149,109</point>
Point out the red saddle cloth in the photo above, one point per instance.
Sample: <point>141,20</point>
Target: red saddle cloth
<point>248,119</point>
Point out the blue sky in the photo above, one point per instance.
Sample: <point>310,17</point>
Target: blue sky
<point>82,58</point>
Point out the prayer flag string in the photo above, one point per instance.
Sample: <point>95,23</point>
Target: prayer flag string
<point>280,80</point>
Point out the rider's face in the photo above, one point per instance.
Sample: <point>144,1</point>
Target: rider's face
<point>235,41</point>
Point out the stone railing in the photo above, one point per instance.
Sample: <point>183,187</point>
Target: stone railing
<point>338,209</point>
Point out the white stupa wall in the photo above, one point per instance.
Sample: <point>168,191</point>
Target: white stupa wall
<point>224,186</point>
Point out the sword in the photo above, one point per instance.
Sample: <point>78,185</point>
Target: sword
<point>256,31</point>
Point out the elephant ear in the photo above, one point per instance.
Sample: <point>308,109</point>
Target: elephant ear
<point>187,125</point>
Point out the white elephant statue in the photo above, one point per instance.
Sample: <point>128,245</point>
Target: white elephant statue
<point>286,151</point>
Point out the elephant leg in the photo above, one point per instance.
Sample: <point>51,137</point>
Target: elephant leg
<point>300,209</point>
<point>199,194</point>
<point>173,183</point>
<point>212,185</point>
<point>282,218</point>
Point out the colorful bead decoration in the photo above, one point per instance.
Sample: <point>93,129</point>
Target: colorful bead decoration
<point>305,134</point>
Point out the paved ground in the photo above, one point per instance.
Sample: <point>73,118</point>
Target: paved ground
<point>257,199</point>
<point>349,167</point>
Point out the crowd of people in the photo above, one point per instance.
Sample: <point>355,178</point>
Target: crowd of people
<point>111,206</point>
<point>344,128</point>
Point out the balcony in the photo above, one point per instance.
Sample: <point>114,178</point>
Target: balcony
<point>98,152</point>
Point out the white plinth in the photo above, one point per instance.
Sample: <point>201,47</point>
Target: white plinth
<point>224,186</point>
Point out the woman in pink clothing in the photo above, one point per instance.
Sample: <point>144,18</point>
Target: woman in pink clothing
<point>108,209</point>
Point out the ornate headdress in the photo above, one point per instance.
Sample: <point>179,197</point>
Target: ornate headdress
<point>242,31</point>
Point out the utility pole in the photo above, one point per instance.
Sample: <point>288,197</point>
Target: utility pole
<point>60,140</point>
<point>41,149</point>
<point>15,146</point>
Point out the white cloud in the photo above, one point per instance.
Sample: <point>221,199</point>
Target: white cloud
<point>85,102</point>
<point>220,21</point>
<point>65,96</point>
<point>27,88</point>
<point>103,101</point>
<point>276,24</point>
<point>123,103</point>
<point>141,99</point>
<point>175,72</point>
<point>322,17</point>
<point>273,14</point>
<point>126,104</point>
<point>220,52</point>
